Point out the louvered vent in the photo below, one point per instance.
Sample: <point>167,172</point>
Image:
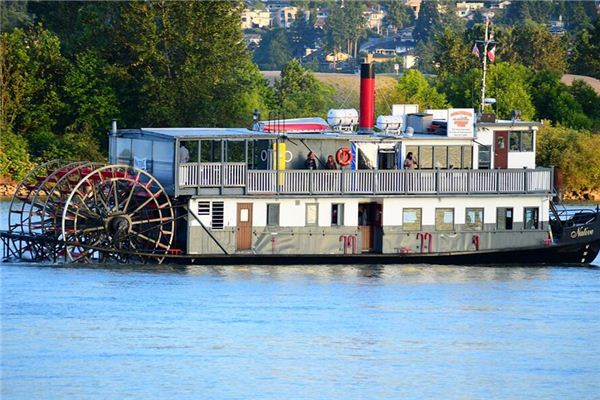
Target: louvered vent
<point>217,215</point>
<point>204,208</point>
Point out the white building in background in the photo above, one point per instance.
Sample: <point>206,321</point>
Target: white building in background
<point>255,19</point>
<point>374,19</point>
<point>283,16</point>
<point>465,9</point>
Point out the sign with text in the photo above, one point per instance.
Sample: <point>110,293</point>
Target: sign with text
<point>461,122</point>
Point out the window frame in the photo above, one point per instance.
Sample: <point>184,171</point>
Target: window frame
<point>419,218</point>
<point>536,225</point>
<point>512,219</point>
<point>278,208</point>
<point>521,147</point>
<point>340,214</point>
<point>437,226</point>
<point>306,206</point>
<point>472,226</point>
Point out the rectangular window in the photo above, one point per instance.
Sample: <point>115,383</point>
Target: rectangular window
<point>504,218</point>
<point>210,151</point>
<point>485,156</point>
<point>273,214</point>
<point>444,219</point>
<point>337,215</point>
<point>527,141</point>
<point>411,219</point>
<point>531,218</point>
<point>217,215</point>
<point>440,157</point>
<point>521,141</point>
<point>312,214</point>
<point>454,157</point>
<point>515,141</point>
<point>467,157</point>
<point>474,219</point>
<point>235,151</point>
<point>425,159</point>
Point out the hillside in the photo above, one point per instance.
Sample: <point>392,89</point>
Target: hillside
<point>347,86</point>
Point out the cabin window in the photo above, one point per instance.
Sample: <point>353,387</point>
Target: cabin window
<point>504,218</point>
<point>531,218</point>
<point>337,215</point>
<point>444,219</point>
<point>485,157</point>
<point>474,219</point>
<point>440,157</point>
<point>443,157</point>
<point>521,141</point>
<point>217,220</point>
<point>273,214</point>
<point>411,219</point>
<point>312,214</point>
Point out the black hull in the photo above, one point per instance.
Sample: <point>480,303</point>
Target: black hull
<point>577,253</point>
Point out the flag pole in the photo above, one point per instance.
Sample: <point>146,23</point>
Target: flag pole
<point>485,51</point>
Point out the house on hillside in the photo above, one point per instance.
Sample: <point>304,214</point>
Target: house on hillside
<point>252,18</point>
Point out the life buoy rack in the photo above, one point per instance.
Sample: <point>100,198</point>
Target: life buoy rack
<point>343,156</point>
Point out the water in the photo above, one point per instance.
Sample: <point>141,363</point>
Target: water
<point>333,332</point>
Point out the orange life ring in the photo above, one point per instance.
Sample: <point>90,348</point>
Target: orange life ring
<point>343,156</point>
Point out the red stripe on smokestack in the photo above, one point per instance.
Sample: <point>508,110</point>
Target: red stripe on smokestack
<point>367,96</point>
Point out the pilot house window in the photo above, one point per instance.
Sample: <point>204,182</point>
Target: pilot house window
<point>521,141</point>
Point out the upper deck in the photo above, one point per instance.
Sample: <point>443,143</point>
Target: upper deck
<point>226,161</point>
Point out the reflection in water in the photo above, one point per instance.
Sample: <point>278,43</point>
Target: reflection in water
<point>404,273</point>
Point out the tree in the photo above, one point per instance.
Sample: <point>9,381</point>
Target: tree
<point>187,64</point>
<point>303,34</point>
<point>509,85</point>
<point>398,15</point>
<point>585,56</point>
<point>433,17</point>
<point>345,26</point>
<point>538,49</point>
<point>554,101</point>
<point>274,50</point>
<point>452,54</point>
<point>299,94</point>
<point>13,14</point>
<point>413,88</point>
<point>589,100</point>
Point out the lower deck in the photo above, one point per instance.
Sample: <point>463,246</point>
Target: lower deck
<point>364,225</point>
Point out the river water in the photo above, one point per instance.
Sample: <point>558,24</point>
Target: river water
<point>319,332</point>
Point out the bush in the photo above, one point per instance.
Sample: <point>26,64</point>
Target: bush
<point>14,159</point>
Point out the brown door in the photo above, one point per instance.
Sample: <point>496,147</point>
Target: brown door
<point>244,226</point>
<point>501,150</point>
<point>369,225</point>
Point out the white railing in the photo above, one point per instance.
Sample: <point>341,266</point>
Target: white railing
<point>365,181</point>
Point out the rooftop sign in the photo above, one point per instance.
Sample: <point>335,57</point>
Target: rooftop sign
<point>461,122</point>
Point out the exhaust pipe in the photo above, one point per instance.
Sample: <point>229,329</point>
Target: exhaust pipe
<point>367,97</point>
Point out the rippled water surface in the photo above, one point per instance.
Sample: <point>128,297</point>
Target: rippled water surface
<point>324,332</point>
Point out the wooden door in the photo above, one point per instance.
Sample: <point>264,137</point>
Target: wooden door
<point>244,226</point>
<point>501,150</point>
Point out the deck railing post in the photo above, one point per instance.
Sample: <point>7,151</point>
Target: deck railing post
<point>468,181</point>
<point>437,180</point>
<point>374,181</point>
<point>497,181</point>
<point>525,180</point>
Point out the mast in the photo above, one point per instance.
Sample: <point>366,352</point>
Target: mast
<point>486,42</point>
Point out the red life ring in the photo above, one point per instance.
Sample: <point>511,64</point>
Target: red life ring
<point>343,156</point>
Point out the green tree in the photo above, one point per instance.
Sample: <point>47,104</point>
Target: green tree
<point>538,49</point>
<point>187,64</point>
<point>585,56</point>
<point>509,85</point>
<point>589,100</point>
<point>413,88</point>
<point>398,14</point>
<point>274,50</point>
<point>554,101</point>
<point>13,14</point>
<point>575,152</point>
<point>299,94</point>
<point>433,17</point>
<point>452,54</point>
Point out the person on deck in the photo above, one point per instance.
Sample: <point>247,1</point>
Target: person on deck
<point>330,164</point>
<point>410,162</point>
<point>311,161</point>
<point>184,154</point>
